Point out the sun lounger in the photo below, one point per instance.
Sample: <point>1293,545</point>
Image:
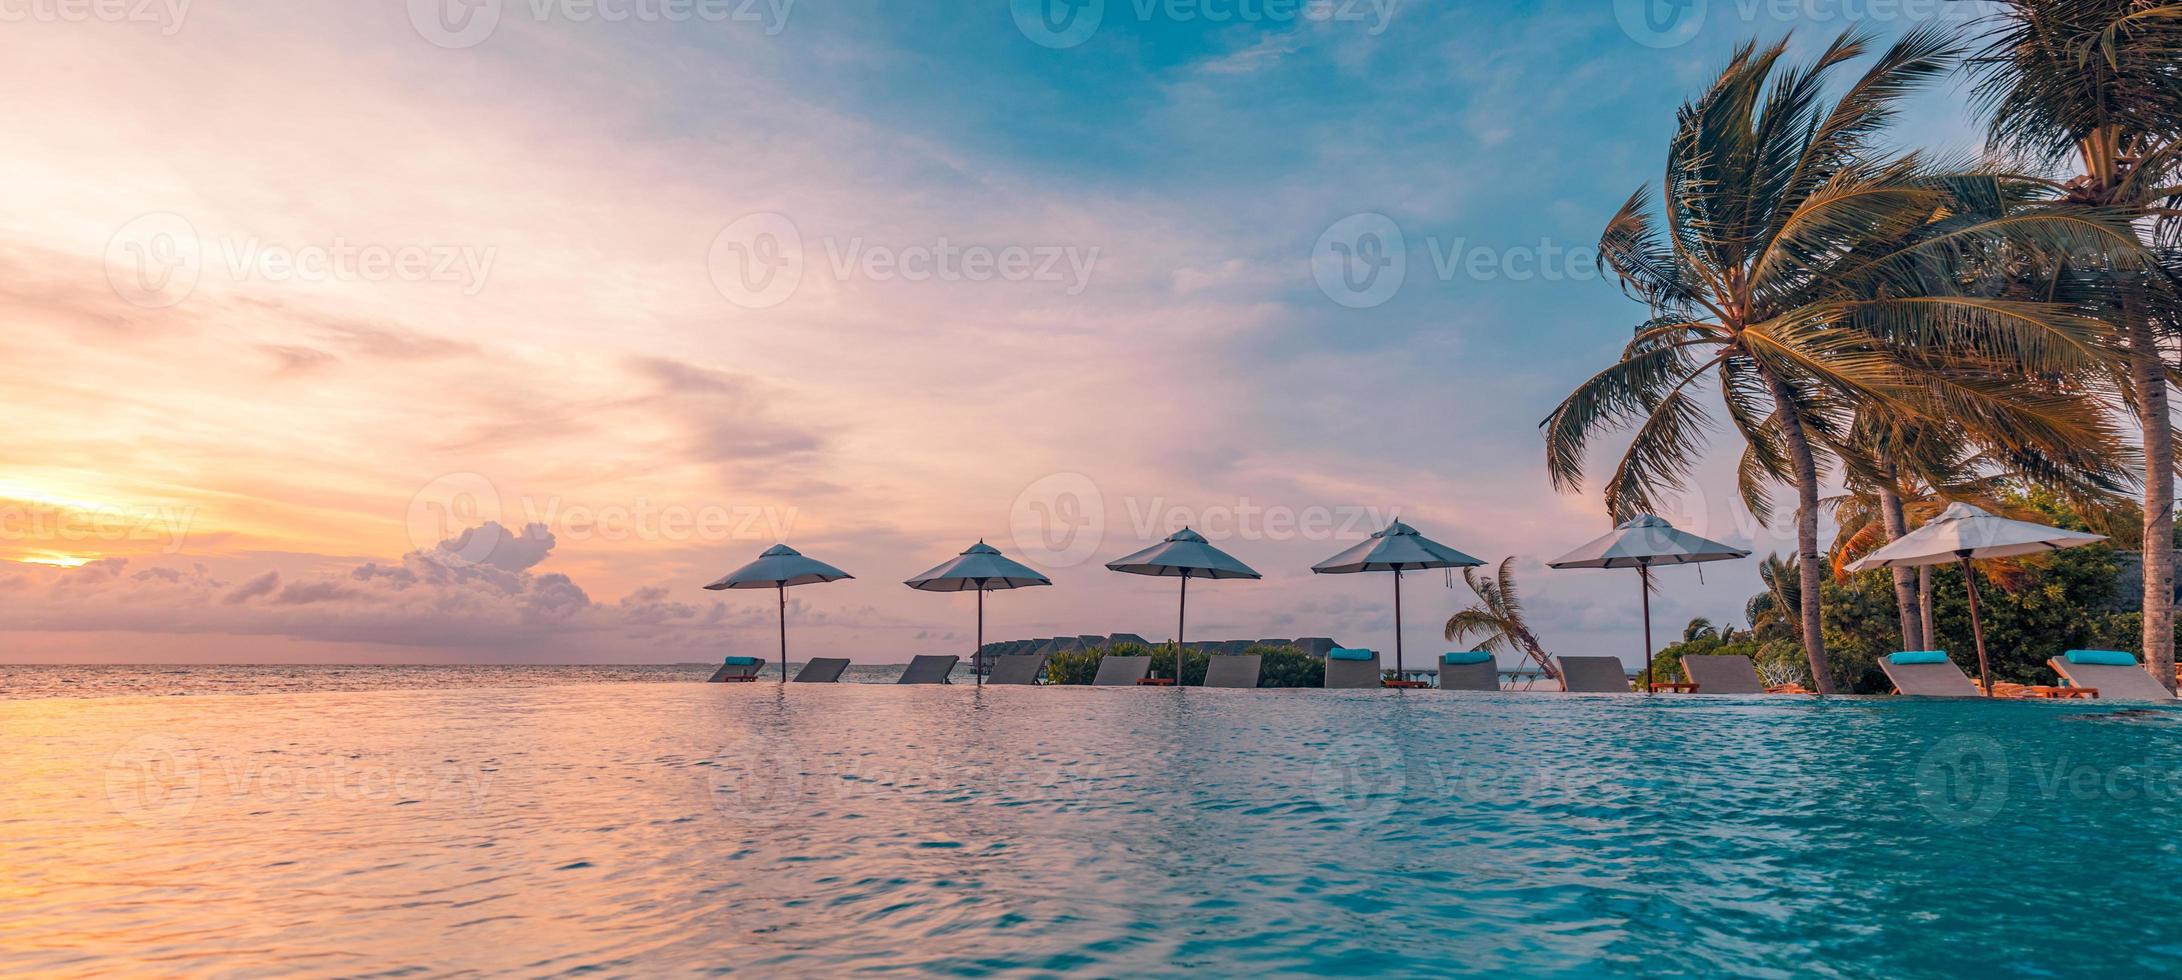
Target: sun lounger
<point>1732,674</point>
<point>1480,675</point>
<point>1352,674</point>
<point>822,670</point>
<point>738,670</point>
<point>1238,670</point>
<point>1917,675</point>
<point>1594,675</point>
<point>1017,669</point>
<point>1122,671</point>
<point>929,670</point>
<point>2114,681</point>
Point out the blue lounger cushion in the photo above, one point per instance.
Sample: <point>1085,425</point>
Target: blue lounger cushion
<point>742,661</point>
<point>2105,658</point>
<point>1919,657</point>
<point>1466,657</point>
<point>1337,653</point>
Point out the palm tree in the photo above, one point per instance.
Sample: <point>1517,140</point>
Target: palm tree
<point>1809,275</point>
<point>1497,618</point>
<point>2092,86</point>
<point>1775,613</point>
<point>1701,628</point>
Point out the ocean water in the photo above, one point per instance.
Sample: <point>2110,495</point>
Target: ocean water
<point>641,828</point>
<point>175,680</point>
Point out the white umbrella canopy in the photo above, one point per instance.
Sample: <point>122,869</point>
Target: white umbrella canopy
<point>983,568</point>
<point>1397,549</point>
<point>1963,531</point>
<point>1961,534</point>
<point>1643,542</point>
<point>779,568</point>
<point>1186,555</point>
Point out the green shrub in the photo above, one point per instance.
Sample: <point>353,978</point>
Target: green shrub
<point>1280,666</point>
<point>1289,667</point>
<point>1081,665</point>
<point>1195,661</point>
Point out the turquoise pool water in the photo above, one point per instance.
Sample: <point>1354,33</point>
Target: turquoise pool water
<point>817,830</point>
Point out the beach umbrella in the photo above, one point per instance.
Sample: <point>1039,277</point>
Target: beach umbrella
<point>779,568</point>
<point>1962,533</point>
<point>1641,543</point>
<point>981,567</point>
<point>1185,555</point>
<point>1397,549</point>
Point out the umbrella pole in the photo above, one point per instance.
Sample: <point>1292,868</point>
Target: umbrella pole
<point>1977,625</point>
<point>1644,576</point>
<point>977,659</point>
<point>1398,674</point>
<point>1179,620</point>
<point>783,587</point>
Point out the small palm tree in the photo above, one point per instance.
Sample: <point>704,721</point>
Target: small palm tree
<point>1774,613</point>
<point>1497,619</point>
<point>1808,275</point>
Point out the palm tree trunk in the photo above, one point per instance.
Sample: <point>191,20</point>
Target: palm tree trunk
<point>1924,602</point>
<point>1807,560</point>
<point>2151,384</point>
<point>1897,524</point>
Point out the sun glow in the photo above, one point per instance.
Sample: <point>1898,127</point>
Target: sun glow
<point>56,560</point>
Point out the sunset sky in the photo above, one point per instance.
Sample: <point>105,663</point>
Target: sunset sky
<point>298,293</point>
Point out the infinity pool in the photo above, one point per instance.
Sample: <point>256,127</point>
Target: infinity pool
<point>817,830</point>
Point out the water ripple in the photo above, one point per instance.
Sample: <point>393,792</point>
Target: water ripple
<point>619,828</point>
